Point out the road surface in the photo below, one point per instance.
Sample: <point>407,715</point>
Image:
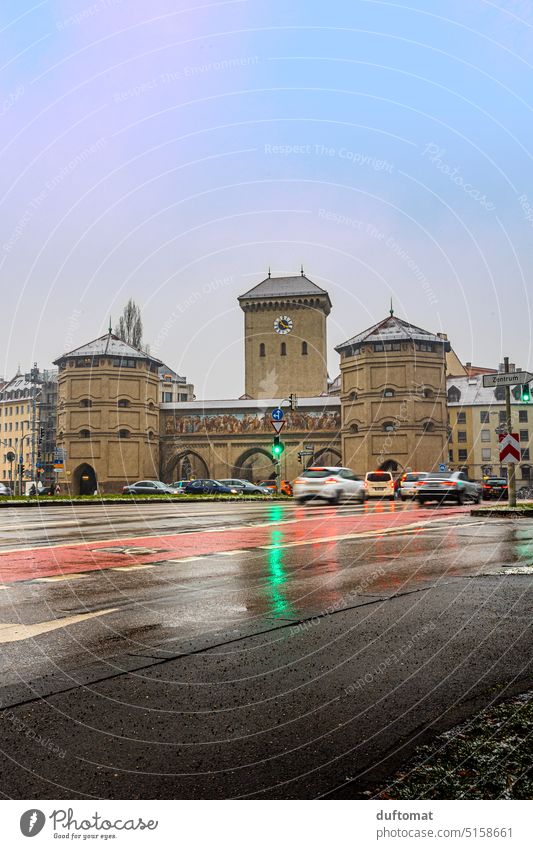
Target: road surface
<point>256,650</point>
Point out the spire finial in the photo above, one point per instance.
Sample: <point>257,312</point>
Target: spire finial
<point>110,328</point>
<point>269,272</point>
<point>391,309</point>
<point>302,270</point>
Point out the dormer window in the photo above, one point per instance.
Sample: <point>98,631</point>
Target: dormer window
<point>123,402</point>
<point>454,395</point>
<point>85,434</point>
<point>389,393</point>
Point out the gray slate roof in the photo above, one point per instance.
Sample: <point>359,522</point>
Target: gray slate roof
<point>111,346</point>
<point>278,287</point>
<point>473,393</point>
<point>391,329</point>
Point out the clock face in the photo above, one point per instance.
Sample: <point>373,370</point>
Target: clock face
<point>283,325</point>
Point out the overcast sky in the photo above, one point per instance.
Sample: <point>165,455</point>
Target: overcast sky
<point>173,154</point>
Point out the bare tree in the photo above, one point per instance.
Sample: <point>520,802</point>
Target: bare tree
<point>130,326</point>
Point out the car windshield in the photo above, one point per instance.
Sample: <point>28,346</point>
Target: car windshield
<point>374,477</point>
<point>413,477</point>
<point>437,476</point>
<point>496,482</point>
<point>318,473</point>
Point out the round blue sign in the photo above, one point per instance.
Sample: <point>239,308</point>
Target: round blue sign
<point>277,414</point>
<point>442,467</point>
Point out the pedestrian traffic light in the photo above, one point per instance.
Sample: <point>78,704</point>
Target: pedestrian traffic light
<point>525,393</point>
<point>277,448</point>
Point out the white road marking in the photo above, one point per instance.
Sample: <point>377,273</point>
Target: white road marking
<point>12,633</point>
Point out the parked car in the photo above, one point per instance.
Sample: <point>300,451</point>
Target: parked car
<point>148,488</point>
<point>5,490</point>
<point>270,485</point>
<point>245,487</point>
<point>408,484</point>
<point>179,486</point>
<point>495,488</point>
<point>330,483</point>
<point>379,485</point>
<point>451,486</point>
<point>286,488</point>
<point>204,486</point>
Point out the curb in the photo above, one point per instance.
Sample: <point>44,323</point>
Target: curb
<point>63,502</point>
<point>508,513</point>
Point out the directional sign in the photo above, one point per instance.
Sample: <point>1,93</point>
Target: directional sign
<point>510,378</point>
<point>509,447</point>
<point>277,425</point>
<point>278,414</point>
<point>442,467</point>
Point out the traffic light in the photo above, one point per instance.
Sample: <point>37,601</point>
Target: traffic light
<point>525,393</point>
<point>277,448</point>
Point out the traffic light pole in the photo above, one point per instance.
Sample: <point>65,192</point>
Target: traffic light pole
<point>511,467</point>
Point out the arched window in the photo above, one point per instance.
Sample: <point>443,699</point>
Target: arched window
<point>454,395</point>
<point>304,349</point>
<point>86,402</point>
<point>283,349</point>
<point>262,352</point>
<point>352,396</point>
<point>389,393</point>
<point>389,427</point>
<point>123,434</point>
<point>150,434</point>
<point>123,402</point>
<point>354,427</point>
<point>427,392</point>
<point>85,434</point>
<point>427,427</point>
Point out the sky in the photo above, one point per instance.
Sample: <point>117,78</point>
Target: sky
<point>174,151</point>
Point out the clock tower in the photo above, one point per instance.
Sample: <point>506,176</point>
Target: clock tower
<point>285,338</point>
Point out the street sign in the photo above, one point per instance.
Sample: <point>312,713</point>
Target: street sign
<point>277,425</point>
<point>510,378</point>
<point>309,447</point>
<point>442,467</point>
<point>10,456</point>
<point>509,447</point>
<point>278,414</point>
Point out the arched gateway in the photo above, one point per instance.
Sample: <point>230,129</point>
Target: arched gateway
<point>84,480</point>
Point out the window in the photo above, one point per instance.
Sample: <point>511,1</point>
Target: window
<point>524,454</point>
<point>283,351</point>
<point>454,395</point>
<point>378,346</point>
<point>389,393</point>
<point>485,435</point>
<point>354,428</point>
<point>123,434</point>
<point>485,454</point>
<point>502,415</point>
<point>389,427</point>
<point>461,418</point>
<point>484,417</point>
<point>463,454</point>
<point>304,349</point>
<point>352,396</point>
<point>427,427</point>
<point>461,436</point>
<point>425,346</point>
<point>124,362</point>
<point>167,397</point>
<point>85,362</point>
<point>524,436</point>
<point>85,434</point>
<point>183,396</point>
<point>450,456</point>
<point>427,392</point>
<point>526,472</point>
<point>86,402</point>
<point>123,402</point>
<point>522,415</point>
<point>262,352</point>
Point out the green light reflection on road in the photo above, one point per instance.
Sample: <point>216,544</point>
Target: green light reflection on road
<point>277,576</point>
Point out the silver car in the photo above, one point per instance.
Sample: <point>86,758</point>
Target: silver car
<point>408,487</point>
<point>330,483</point>
<point>448,486</point>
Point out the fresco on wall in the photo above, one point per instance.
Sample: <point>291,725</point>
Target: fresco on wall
<point>251,423</point>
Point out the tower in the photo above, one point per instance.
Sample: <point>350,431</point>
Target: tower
<point>393,398</point>
<point>285,338</point>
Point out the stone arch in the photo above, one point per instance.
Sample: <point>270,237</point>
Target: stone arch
<point>327,457</point>
<point>84,480</point>
<point>390,466</point>
<point>186,464</point>
<point>246,468</point>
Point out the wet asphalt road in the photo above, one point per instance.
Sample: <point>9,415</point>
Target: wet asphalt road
<point>307,659</point>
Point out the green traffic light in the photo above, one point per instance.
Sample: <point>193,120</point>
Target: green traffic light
<point>277,449</point>
<point>526,393</point>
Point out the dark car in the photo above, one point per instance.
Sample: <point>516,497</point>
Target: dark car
<point>495,488</point>
<point>148,488</point>
<point>244,487</point>
<point>206,486</point>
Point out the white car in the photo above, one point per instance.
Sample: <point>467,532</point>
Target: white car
<point>409,484</point>
<point>379,484</point>
<point>179,486</point>
<point>330,483</point>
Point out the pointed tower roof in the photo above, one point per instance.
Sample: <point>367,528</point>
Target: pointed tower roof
<point>109,345</point>
<point>393,329</point>
<point>297,285</point>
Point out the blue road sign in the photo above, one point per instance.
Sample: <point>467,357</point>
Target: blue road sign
<point>442,467</point>
<point>277,414</point>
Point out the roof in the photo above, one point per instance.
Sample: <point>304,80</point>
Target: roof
<point>109,345</point>
<point>393,329</point>
<point>473,393</point>
<point>279,287</point>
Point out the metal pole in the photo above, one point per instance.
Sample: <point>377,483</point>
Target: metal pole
<point>511,476</point>
<point>20,449</point>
